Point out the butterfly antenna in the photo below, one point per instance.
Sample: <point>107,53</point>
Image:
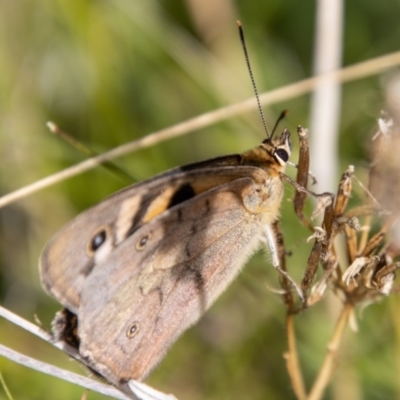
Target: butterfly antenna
<point>246,56</point>
<point>280,118</point>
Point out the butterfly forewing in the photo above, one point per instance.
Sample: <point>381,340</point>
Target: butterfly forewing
<point>71,255</point>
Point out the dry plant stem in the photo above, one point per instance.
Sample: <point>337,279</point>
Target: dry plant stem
<point>312,265</point>
<point>62,374</point>
<point>370,245</point>
<point>284,282</point>
<point>365,210</point>
<point>351,244</point>
<point>365,233</point>
<point>356,71</point>
<point>328,365</point>
<point>5,387</point>
<point>302,176</point>
<point>142,390</point>
<point>292,360</point>
<point>37,365</point>
<point>39,332</point>
<point>344,191</point>
<point>24,324</point>
<point>325,99</point>
<point>319,249</point>
<point>76,144</point>
<point>88,152</point>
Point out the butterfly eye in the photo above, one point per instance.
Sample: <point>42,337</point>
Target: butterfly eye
<point>282,155</point>
<point>98,240</point>
<point>133,330</point>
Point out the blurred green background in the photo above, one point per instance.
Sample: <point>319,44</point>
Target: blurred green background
<point>109,72</point>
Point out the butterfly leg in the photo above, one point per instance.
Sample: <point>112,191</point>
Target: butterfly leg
<point>270,239</point>
<point>271,242</point>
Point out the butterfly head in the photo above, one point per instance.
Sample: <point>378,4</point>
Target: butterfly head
<point>272,154</point>
<point>280,148</point>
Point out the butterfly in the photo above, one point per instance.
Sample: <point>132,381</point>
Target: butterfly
<point>139,268</point>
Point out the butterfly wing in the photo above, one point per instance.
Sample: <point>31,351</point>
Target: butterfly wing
<point>164,276</point>
<point>72,253</point>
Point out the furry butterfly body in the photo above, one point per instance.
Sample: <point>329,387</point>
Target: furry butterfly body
<point>142,266</point>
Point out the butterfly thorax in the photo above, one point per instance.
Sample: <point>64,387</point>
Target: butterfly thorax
<point>271,157</point>
<point>262,157</point>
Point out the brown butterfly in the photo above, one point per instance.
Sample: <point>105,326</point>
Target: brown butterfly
<point>139,268</point>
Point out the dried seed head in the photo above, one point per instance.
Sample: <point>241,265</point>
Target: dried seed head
<point>360,264</point>
<point>319,234</point>
<point>324,200</point>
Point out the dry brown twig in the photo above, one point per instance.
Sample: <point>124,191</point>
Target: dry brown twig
<point>370,267</point>
<point>347,74</point>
